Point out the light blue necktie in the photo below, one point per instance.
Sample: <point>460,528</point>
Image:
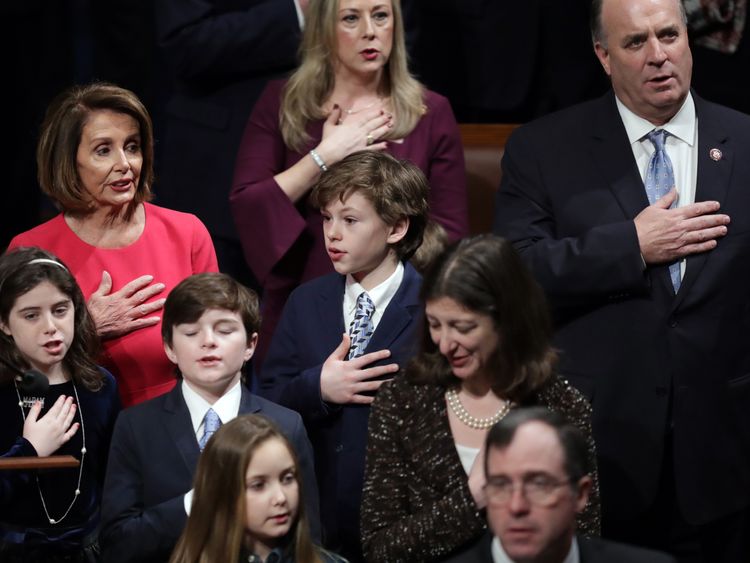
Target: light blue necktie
<point>211,423</point>
<point>659,180</point>
<point>361,329</point>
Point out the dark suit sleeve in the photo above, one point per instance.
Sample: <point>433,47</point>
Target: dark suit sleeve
<point>130,530</point>
<point>298,437</point>
<point>201,42</point>
<point>11,481</point>
<point>284,377</point>
<point>591,264</point>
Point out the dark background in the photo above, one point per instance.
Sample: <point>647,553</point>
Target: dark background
<point>498,61</point>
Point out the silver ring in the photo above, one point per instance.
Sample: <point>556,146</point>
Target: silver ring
<point>370,140</point>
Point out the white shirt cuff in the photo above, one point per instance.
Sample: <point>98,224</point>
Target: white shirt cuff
<point>188,500</point>
<point>300,15</point>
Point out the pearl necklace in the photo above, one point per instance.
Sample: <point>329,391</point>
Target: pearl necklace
<point>77,492</point>
<point>471,421</point>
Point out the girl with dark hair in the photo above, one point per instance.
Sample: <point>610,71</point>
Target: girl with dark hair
<point>246,505</point>
<point>486,349</point>
<point>44,326</point>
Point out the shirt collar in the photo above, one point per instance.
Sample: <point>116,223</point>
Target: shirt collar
<point>276,556</point>
<point>499,555</point>
<point>227,406</point>
<point>381,294</point>
<point>682,125</point>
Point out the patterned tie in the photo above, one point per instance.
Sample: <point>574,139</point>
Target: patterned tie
<point>361,329</point>
<point>211,423</point>
<point>659,180</point>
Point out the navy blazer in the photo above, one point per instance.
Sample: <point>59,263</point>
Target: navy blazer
<point>591,550</point>
<point>310,329</point>
<point>658,367</point>
<point>152,462</point>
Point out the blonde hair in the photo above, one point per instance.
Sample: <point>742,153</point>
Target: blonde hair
<point>312,83</point>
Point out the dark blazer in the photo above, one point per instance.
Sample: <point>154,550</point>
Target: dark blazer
<point>591,550</point>
<point>505,61</point>
<point>152,462</point>
<point>310,330</point>
<point>657,366</point>
<point>221,53</point>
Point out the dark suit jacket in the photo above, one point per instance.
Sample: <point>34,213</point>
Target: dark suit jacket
<point>221,54</point>
<point>504,61</point>
<point>657,366</point>
<point>591,550</point>
<point>152,462</point>
<point>310,330</point>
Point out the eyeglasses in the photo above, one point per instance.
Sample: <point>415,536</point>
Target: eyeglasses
<point>540,490</point>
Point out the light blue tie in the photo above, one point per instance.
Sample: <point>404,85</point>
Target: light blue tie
<point>659,180</point>
<point>211,423</point>
<point>361,329</point>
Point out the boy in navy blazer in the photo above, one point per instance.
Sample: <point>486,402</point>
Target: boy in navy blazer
<point>342,335</point>
<point>209,328</point>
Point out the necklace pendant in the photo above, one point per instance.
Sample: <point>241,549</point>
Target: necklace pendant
<point>52,521</point>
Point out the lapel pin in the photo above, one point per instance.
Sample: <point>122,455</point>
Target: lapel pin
<point>715,155</point>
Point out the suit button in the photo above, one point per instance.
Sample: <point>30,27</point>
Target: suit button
<point>673,322</point>
<point>339,448</point>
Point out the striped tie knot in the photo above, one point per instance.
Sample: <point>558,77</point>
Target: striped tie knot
<point>361,329</point>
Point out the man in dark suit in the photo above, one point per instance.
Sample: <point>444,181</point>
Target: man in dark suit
<point>538,479</point>
<point>649,285</point>
<point>330,380</point>
<point>210,328</point>
<point>221,54</point>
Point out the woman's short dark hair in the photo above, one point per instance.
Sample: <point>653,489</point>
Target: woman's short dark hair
<point>485,274</point>
<point>61,134</point>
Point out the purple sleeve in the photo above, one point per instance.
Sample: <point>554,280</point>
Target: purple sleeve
<point>267,221</point>
<point>446,170</point>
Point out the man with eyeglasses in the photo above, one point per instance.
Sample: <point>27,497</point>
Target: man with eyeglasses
<point>537,481</point>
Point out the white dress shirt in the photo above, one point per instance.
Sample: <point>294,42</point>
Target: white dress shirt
<point>227,408</point>
<point>467,455</point>
<point>681,145</point>
<point>499,555</point>
<point>380,295</point>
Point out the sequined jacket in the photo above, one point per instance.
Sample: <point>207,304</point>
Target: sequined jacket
<point>416,501</point>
